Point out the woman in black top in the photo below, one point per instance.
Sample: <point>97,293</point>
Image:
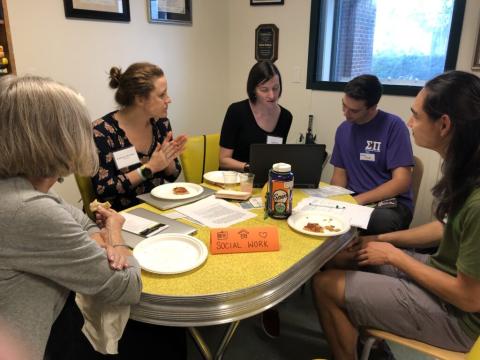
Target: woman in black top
<point>258,119</point>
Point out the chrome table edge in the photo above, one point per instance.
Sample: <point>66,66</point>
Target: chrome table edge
<point>213,309</point>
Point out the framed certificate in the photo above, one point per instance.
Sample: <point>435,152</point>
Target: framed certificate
<point>115,10</point>
<point>170,11</point>
<point>266,2</point>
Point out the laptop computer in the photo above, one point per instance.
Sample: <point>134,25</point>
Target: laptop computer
<point>174,226</point>
<point>306,161</point>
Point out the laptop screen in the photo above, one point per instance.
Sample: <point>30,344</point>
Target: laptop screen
<point>306,161</point>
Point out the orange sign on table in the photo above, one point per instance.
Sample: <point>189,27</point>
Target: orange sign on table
<point>244,239</point>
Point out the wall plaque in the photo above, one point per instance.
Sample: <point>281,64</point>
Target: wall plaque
<point>266,42</point>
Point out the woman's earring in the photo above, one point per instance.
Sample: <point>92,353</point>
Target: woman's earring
<point>60,180</point>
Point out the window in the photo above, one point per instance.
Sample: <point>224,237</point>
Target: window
<point>405,43</point>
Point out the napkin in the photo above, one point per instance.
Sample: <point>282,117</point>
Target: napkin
<point>104,323</point>
<point>233,194</point>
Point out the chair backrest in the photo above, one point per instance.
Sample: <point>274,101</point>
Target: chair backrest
<point>85,186</point>
<point>417,174</point>
<point>212,153</point>
<point>200,156</point>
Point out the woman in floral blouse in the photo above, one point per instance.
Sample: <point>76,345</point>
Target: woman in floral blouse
<point>135,144</point>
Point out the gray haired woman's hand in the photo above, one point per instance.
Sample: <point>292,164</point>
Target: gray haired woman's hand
<point>109,218</point>
<point>117,257</point>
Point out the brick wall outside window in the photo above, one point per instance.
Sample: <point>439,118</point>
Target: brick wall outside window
<point>354,53</point>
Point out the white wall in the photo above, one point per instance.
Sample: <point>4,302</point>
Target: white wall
<point>206,64</point>
<point>293,21</point>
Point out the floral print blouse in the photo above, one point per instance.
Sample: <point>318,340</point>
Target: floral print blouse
<point>111,184</point>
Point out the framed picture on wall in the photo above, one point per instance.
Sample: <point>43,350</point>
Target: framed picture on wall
<point>476,54</point>
<point>115,10</point>
<point>266,2</point>
<point>170,11</point>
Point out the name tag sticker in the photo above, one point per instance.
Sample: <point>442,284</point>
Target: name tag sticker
<point>367,157</point>
<point>125,157</point>
<point>274,140</point>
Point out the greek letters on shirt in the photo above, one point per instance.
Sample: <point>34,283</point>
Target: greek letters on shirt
<point>370,150</point>
<point>373,146</point>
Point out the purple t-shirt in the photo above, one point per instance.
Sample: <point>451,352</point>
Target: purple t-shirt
<point>370,152</point>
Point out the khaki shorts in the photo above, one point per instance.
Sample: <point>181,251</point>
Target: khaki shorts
<point>386,299</point>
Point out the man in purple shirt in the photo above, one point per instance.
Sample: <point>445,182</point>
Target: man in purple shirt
<point>373,156</point>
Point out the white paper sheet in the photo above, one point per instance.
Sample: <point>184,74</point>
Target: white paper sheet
<point>358,215</point>
<point>176,215</point>
<point>136,224</point>
<point>327,191</point>
<point>215,213</point>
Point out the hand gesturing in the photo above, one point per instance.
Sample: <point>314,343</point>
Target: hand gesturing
<point>165,153</point>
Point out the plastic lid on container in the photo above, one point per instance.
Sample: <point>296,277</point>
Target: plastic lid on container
<point>281,167</point>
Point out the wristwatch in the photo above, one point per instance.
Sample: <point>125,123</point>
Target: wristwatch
<point>146,172</point>
<point>246,168</point>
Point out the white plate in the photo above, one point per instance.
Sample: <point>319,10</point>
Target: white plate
<point>298,221</point>
<point>217,177</point>
<point>165,191</point>
<point>170,253</point>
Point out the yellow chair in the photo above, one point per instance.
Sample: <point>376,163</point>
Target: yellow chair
<point>200,156</point>
<point>435,352</point>
<point>85,186</point>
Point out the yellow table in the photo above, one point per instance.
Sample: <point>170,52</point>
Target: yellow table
<point>230,287</point>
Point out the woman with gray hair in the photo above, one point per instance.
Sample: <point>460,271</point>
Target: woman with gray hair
<point>49,248</point>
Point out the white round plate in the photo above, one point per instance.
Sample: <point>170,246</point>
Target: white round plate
<point>217,177</point>
<point>298,221</point>
<point>170,253</point>
<point>165,191</point>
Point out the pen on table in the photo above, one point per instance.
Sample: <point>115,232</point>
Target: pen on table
<point>328,206</point>
<point>160,229</point>
<point>152,229</point>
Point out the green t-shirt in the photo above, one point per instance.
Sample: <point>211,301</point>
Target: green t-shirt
<point>459,250</point>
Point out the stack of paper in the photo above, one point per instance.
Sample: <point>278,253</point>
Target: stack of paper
<point>215,213</point>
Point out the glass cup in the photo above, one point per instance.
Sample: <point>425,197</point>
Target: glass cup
<point>230,180</point>
<point>246,182</point>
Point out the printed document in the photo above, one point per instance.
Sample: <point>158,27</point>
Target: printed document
<point>215,213</point>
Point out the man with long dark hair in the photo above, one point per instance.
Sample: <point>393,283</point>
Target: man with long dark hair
<point>430,298</point>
